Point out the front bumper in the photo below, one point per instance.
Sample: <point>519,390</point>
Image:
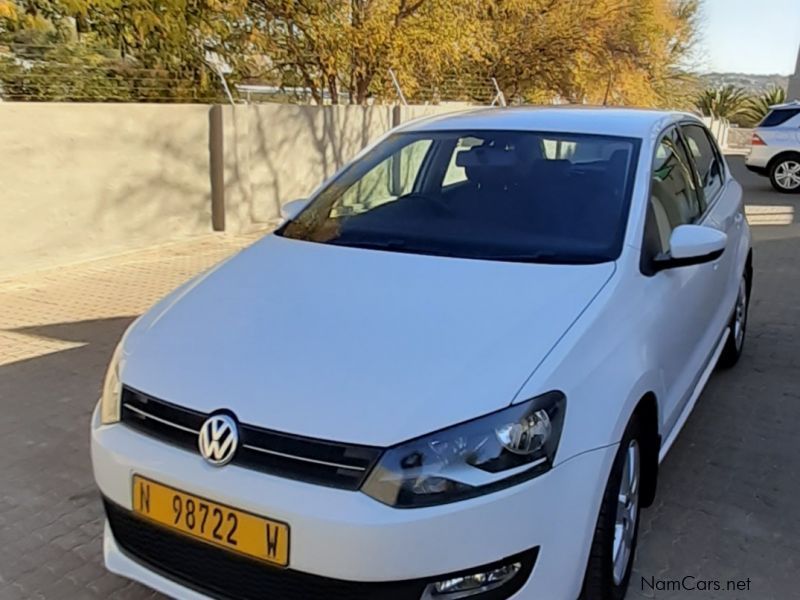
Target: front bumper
<point>346,535</point>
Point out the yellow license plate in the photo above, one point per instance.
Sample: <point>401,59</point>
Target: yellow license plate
<point>212,522</point>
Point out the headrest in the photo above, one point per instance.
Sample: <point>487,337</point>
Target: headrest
<point>486,156</point>
<point>619,156</point>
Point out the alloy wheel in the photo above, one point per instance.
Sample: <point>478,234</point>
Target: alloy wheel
<point>787,174</point>
<point>627,512</point>
<point>740,316</point>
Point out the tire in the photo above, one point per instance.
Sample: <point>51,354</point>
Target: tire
<point>737,327</point>
<point>607,573</point>
<point>784,174</point>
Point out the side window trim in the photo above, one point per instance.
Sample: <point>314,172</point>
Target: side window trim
<point>708,202</point>
<point>699,189</point>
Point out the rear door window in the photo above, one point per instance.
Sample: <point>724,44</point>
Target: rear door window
<point>779,117</point>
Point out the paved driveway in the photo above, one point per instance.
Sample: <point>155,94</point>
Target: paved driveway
<point>727,506</point>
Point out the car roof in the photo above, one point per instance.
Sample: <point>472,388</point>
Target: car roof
<point>601,120</point>
<point>792,104</point>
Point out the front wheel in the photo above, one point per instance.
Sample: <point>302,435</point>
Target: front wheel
<point>784,175</point>
<point>614,545</point>
<point>737,328</point>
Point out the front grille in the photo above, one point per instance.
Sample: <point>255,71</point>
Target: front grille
<point>321,462</point>
<point>221,574</point>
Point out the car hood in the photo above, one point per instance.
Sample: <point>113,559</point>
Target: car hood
<point>354,345</point>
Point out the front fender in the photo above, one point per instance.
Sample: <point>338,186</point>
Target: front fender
<point>604,365</point>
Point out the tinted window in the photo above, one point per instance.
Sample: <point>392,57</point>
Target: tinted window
<point>500,195</point>
<point>385,182</point>
<point>777,117</point>
<point>673,197</point>
<point>706,158</point>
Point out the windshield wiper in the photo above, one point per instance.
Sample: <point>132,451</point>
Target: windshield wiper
<point>553,258</point>
<point>371,244</point>
<point>399,245</point>
<point>402,246</point>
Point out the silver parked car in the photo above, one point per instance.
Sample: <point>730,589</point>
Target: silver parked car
<point>775,147</point>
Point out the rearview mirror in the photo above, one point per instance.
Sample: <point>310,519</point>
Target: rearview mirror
<point>291,209</point>
<point>691,245</point>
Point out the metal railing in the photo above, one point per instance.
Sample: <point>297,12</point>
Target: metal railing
<point>75,72</point>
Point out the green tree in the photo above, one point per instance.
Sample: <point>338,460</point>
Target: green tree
<point>113,49</point>
<point>635,53</point>
<point>595,51</point>
<point>169,40</point>
<point>728,102</point>
<point>333,47</point>
<point>63,72</point>
<point>43,57</point>
<point>598,51</point>
<point>757,107</point>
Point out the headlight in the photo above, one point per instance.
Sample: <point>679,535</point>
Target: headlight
<point>473,458</point>
<point>112,389</point>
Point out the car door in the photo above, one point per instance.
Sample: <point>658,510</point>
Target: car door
<point>723,210</point>
<point>685,297</point>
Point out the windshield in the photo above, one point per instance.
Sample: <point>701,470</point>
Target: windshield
<point>492,195</point>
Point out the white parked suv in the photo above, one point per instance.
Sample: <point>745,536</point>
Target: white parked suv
<point>775,147</point>
<point>452,374</point>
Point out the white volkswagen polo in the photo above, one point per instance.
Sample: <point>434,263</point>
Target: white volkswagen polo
<point>451,374</point>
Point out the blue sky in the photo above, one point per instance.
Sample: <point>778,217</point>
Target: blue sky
<point>749,36</point>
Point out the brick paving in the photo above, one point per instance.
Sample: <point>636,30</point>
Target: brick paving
<point>57,331</point>
<point>727,503</point>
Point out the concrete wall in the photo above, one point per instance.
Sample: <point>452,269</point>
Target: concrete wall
<point>275,153</point>
<point>80,181</point>
<point>739,137</point>
<point>719,128</point>
<point>409,113</point>
<point>279,152</point>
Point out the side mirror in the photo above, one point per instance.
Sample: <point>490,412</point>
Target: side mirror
<point>292,208</point>
<point>691,245</point>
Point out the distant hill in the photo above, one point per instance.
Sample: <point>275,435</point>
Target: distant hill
<point>751,83</point>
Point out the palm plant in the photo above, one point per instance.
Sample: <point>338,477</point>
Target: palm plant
<point>726,102</point>
<point>758,107</point>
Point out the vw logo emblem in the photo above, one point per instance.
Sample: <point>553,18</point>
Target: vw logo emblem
<point>218,439</point>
